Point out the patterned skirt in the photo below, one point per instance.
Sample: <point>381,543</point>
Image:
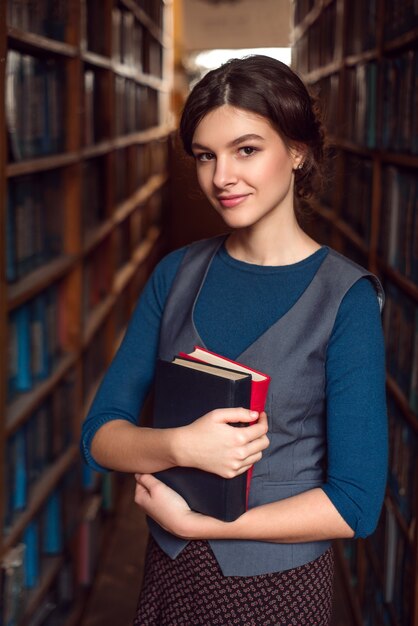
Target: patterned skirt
<point>192,591</point>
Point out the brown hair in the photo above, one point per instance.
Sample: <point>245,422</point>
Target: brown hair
<point>269,88</point>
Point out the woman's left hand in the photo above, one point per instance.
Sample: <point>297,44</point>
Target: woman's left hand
<point>167,507</point>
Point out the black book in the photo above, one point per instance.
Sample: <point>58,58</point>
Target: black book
<point>184,391</point>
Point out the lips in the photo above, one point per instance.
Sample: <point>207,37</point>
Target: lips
<point>231,201</point>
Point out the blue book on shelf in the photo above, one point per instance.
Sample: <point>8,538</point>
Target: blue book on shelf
<point>20,475</point>
<point>22,326</point>
<point>39,335</point>
<point>52,540</point>
<point>32,565</point>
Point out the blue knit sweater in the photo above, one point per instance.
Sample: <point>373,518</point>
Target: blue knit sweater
<point>355,365</point>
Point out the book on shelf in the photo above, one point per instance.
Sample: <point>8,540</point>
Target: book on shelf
<point>52,535</point>
<point>12,585</point>
<point>32,554</point>
<point>34,106</point>
<point>34,224</point>
<point>37,338</point>
<point>185,389</point>
<point>89,540</point>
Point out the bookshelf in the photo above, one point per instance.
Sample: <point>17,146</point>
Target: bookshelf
<point>83,189</point>
<point>361,59</point>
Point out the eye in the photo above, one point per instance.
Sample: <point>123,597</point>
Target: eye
<point>247,151</point>
<point>204,156</point>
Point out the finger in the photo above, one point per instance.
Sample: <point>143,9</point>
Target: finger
<point>138,478</point>
<point>256,446</point>
<point>148,481</point>
<point>244,469</point>
<point>259,429</point>
<point>235,415</point>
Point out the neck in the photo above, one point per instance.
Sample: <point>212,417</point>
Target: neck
<point>284,245</point>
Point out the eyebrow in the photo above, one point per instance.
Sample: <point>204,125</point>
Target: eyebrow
<point>234,142</point>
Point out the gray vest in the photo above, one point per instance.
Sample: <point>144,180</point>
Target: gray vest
<point>293,352</point>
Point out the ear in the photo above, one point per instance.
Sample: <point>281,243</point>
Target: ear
<point>298,154</point>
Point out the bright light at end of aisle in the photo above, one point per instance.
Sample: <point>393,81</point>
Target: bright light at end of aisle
<point>210,59</point>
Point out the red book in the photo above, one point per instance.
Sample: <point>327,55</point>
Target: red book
<point>259,382</point>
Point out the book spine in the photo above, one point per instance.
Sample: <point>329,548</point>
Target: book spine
<point>236,489</point>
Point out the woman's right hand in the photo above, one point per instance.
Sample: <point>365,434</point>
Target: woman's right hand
<point>212,444</point>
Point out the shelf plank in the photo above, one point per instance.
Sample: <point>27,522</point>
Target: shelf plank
<point>124,209</point>
<point>95,237</point>
<point>361,57</point>
<point>143,136</point>
<point>40,493</point>
<point>307,22</point>
<point>55,161</point>
<point>402,41</point>
<point>402,402</point>
<point>41,164</point>
<point>97,149</point>
<point>139,197</point>
<point>405,283</point>
<point>386,156</point>
<point>145,20</point>
<point>35,42</point>
<point>29,286</point>
<point>321,72</point>
<point>51,570</point>
<point>407,531</point>
<point>344,228</point>
<point>97,60</point>
<point>96,318</point>
<point>25,403</point>
<point>124,275</point>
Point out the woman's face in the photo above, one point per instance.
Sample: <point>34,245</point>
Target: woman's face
<point>243,167</point>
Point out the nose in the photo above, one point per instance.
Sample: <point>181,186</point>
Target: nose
<point>225,172</point>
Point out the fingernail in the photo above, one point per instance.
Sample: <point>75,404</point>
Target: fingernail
<point>254,413</point>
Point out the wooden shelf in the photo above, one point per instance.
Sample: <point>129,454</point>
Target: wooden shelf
<point>361,57</point>
<point>124,275</point>
<point>403,41</point>
<point>404,283</point>
<point>408,531</point>
<point>322,72</point>
<point>95,164</point>
<point>25,403</point>
<point>96,319</point>
<point>40,493</point>
<point>139,197</point>
<point>31,42</point>
<point>122,211</point>
<point>348,121</point>
<point>41,164</point>
<point>51,570</point>
<point>344,228</point>
<point>385,156</point>
<point>402,403</point>
<point>38,280</point>
<point>146,21</point>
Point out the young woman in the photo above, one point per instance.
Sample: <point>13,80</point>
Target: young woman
<point>269,296</point>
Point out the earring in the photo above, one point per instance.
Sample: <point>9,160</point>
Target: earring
<point>300,166</point>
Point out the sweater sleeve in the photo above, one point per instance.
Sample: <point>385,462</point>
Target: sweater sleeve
<point>127,381</point>
<point>356,410</point>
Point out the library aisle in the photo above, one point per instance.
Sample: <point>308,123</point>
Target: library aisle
<point>113,597</point>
